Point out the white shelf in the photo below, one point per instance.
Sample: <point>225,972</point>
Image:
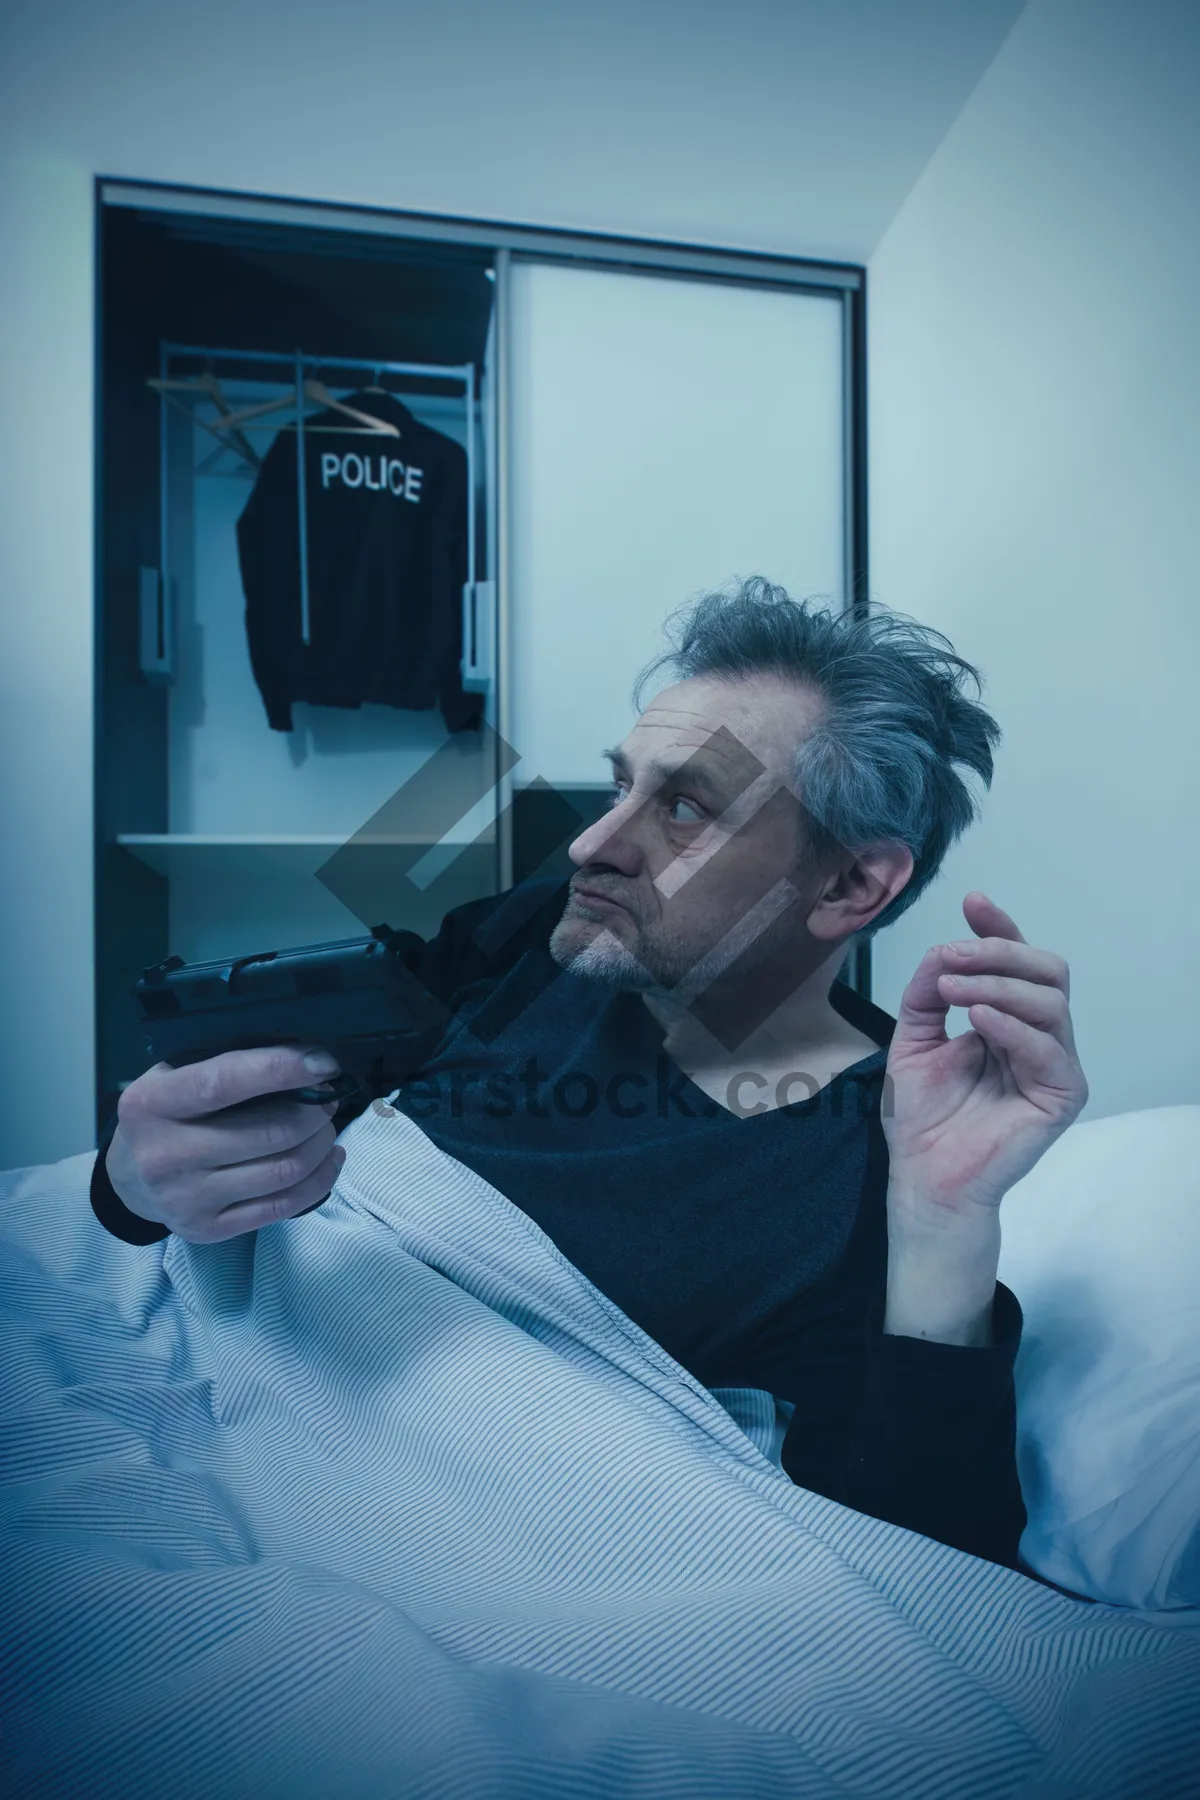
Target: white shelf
<point>176,840</point>
<point>245,858</point>
<point>230,890</point>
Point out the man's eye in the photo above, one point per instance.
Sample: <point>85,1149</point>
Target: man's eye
<point>684,813</point>
<point>618,794</point>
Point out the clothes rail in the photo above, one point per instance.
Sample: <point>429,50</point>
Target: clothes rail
<point>464,372</point>
<point>297,362</point>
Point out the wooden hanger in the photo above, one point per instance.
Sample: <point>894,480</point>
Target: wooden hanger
<point>317,391</point>
<point>207,387</point>
<point>319,394</point>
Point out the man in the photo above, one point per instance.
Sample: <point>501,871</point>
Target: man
<point>784,1187</point>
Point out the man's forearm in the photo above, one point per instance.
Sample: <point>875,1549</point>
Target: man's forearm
<point>941,1278</point>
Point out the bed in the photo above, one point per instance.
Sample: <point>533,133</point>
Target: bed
<point>390,1500</point>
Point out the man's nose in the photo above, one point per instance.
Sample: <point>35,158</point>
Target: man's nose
<point>612,840</point>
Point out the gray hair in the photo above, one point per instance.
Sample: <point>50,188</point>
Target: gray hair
<point>895,721</point>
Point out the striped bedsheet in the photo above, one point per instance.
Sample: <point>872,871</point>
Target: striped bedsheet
<point>390,1501</point>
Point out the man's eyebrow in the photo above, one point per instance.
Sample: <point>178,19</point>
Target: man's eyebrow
<point>690,770</point>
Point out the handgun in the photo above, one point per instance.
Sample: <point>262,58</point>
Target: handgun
<point>358,997</point>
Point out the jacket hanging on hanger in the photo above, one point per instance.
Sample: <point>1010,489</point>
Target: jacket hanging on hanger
<point>387,560</point>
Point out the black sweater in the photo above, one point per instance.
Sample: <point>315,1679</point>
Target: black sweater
<point>753,1249</point>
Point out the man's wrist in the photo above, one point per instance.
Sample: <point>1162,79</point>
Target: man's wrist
<point>941,1277</point>
<point>117,1219</point>
<point>115,1159</point>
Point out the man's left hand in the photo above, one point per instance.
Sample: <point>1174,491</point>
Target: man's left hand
<point>969,1116</point>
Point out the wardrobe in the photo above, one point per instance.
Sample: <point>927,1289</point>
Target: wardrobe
<point>634,424</point>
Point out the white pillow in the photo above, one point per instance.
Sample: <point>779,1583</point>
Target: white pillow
<point>1101,1245</point>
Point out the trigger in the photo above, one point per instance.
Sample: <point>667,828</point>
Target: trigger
<point>341,1087</point>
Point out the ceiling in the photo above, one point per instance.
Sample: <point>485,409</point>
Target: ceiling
<point>796,126</point>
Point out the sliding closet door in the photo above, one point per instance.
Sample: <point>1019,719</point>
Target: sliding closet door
<point>667,436</point>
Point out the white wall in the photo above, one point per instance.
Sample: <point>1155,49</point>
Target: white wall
<point>1035,491</point>
<point>788,125</point>
<point>46,557</point>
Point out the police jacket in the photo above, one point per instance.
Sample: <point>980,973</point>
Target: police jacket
<point>387,559</point>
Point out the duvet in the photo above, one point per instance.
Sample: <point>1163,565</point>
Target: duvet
<point>389,1500</point>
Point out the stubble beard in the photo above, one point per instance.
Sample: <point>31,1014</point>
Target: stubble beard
<point>592,950</point>
<point>600,957</point>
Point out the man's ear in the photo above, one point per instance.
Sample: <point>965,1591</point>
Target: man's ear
<point>858,888</point>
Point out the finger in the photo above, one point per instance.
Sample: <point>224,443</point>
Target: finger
<point>234,1076</point>
<point>1036,1004</point>
<point>258,1177</point>
<point>1046,1073</point>
<point>252,1215</point>
<point>1001,956</point>
<point>986,919</point>
<point>921,1018</point>
<point>925,1002</point>
<point>268,1126</point>
<point>171,1149</point>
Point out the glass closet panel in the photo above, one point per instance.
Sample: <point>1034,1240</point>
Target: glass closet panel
<point>668,436</point>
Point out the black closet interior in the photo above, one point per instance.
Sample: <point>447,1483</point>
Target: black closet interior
<point>338,296</point>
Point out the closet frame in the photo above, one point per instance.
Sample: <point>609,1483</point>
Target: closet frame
<point>508,243</point>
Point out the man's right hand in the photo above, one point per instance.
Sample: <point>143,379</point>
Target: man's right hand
<point>218,1147</point>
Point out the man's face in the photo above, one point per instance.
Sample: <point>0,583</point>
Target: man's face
<point>699,869</point>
